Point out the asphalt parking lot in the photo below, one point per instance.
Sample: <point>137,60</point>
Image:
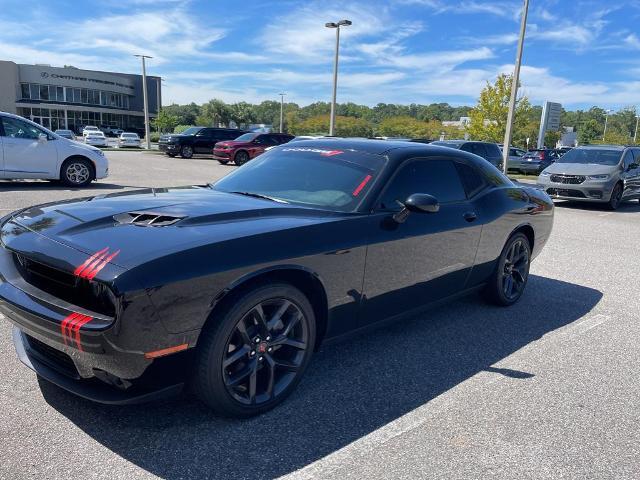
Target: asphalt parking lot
<point>545,389</point>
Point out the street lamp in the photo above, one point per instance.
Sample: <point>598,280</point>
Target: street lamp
<point>635,135</point>
<point>281,111</point>
<point>147,133</point>
<point>336,25</point>
<point>606,118</point>
<point>514,89</point>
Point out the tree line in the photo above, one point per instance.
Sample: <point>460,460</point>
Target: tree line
<point>488,118</point>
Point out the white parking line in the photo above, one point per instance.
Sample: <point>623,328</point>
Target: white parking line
<point>585,325</point>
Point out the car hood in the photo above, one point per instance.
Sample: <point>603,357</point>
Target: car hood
<point>147,224</point>
<point>232,143</point>
<point>580,168</point>
<point>174,137</point>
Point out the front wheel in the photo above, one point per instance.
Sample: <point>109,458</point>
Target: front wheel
<point>512,272</point>
<point>76,173</point>
<point>241,158</point>
<point>172,155</point>
<point>223,162</point>
<point>616,197</point>
<point>253,353</point>
<point>186,152</point>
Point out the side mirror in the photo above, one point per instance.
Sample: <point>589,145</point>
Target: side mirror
<point>42,138</point>
<point>419,203</point>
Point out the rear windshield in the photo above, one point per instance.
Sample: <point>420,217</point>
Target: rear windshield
<point>311,176</point>
<point>447,144</point>
<point>247,137</point>
<point>598,156</point>
<point>129,135</point>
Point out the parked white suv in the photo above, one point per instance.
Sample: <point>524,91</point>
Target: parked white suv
<point>28,150</point>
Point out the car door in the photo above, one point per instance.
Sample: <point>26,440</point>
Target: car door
<point>429,256</point>
<point>203,141</point>
<point>629,175</point>
<point>634,172</point>
<point>28,151</point>
<point>1,154</point>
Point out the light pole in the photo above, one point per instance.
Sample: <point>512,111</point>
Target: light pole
<point>336,25</point>
<point>606,118</point>
<point>282,111</point>
<point>514,89</point>
<point>635,135</point>
<point>147,132</point>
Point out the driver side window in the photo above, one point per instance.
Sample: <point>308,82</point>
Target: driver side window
<point>15,128</point>
<point>434,177</point>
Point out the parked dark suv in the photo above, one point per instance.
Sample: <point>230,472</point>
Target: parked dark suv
<point>196,140</point>
<point>487,150</point>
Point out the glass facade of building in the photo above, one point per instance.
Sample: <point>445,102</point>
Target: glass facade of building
<point>76,120</point>
<point>82,96</point>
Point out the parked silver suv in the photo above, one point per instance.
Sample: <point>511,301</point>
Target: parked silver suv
<point>595,173</point>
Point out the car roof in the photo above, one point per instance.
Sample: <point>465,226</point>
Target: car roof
<point>602,147</point>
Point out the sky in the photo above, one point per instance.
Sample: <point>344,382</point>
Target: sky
<point>578,53</point>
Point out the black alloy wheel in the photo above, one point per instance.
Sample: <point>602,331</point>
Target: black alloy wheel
<point>252,354</point>
<point>616,197</point>
<point>265,351</point>
<point>241,157</point>
<point>512,272</point>
<point>186,152</point>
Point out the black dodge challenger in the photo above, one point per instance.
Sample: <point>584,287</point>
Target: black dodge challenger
<point>230,287</point>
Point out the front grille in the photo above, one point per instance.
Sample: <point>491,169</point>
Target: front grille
<point>55,359</point>
<point>568,179</point>
<point>84,293</point>
<point>560,192</point>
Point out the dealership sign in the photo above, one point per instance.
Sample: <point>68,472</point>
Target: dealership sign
<point>83,79</point>
<point>549,121</point>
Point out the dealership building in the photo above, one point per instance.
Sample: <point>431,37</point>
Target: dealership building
<point>71,98</point>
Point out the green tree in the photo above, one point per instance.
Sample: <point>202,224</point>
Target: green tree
<point>489,116</point>
<point>551,138</point>
<point>405,126</point>
<point>213,113</point>
<point>242,113</point>
<point>345,126</point>
<point>186,114</point>
<point>590,132</point>
<point>165,121</point>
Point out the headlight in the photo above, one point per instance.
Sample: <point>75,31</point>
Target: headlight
<point>597,177</point>
<point>544,173</point>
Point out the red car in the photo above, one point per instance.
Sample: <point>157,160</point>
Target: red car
<point>247,146</point>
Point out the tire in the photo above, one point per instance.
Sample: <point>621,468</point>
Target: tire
<point>616,197</point>
<point>500,290</point>
<point>233,352</point>
<point>241,158</point>
<point>76,172</point>
<point>223,162</point>
<point>186,152</point>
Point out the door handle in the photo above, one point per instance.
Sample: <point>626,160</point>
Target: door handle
<point>470,216</point>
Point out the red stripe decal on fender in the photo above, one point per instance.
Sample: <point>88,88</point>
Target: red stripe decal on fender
<point>64,323</point>
<point>85,319</point>
<point>89,260</point>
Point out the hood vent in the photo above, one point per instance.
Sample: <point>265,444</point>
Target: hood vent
<point>147,219</point>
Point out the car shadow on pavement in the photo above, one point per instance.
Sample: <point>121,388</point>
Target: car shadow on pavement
<point>350,390</point>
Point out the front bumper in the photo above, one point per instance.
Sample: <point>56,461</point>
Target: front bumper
<point>91,389</point>
<point>169,147</point>
<point>588,191</point>
<point>224,155</point>
<point>84,351</point>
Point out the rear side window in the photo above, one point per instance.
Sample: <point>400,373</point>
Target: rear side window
<point>493,150</point>
<point>434,177</point>
<point>472,180</point>
<point>478,149</point>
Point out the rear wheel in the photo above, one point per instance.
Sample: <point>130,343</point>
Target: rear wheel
<point>616,197</point>
<point>241,158</point>
<point>186,152</point>
<point>251,356</point>
<point>76,172</point>
<point>512,272</point>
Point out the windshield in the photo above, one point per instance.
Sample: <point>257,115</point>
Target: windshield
<point>599,156</point>
<point>311,176</point>
<point>191,131</point>
<point>247,137</point>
